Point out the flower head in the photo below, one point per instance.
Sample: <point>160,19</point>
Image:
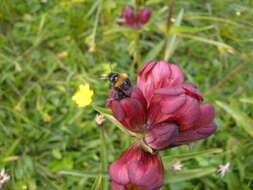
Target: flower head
<point>176,167</point>
<point>3,177</point>
<point>83,96</point>
<point>134,20</point>
<point>137,170</point>
<point>223,169</point>
<point>167,110</point>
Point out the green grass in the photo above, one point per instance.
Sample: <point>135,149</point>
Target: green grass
<point>69,151</point>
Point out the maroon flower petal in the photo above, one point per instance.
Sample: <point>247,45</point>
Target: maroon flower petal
<point>170,104</point>
<point>164,103</point>
<point>195,134</point>
<point>177,76</point>
<point>148,178</point>
<point>161,135</point>
<point>118,171</point>
<point>191,90</point>
<point>118,111</point>
<point>131,112</point>
<point>137,94</point>
<point>147,172</point>
<point>172,91</point>
<point>116,186</point>
<point>144,16</point>
<point>135,114</point>
<point>207,113</point>
<point>146,68</point>
<point>188,114</point>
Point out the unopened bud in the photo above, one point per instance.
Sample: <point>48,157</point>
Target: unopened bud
<point>128,14</point>
<point>144,16</point>
<point>99,119</point>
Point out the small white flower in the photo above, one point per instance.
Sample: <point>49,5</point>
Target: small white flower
<point>176,167</point>
<point>3,177</point>
<point>223,169</point>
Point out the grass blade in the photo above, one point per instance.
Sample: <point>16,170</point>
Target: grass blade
<point>192,155</point>
<point>241,118</point>
<point>172,41</point>
<point>173,177</point>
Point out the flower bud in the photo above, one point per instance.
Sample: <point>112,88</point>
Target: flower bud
<point>137,169</point>
<point>144,15</point>
<point>129,15</point>
<point>161,135</point>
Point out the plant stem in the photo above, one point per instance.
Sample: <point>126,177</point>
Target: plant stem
<point>168,26</point>
<point>136,55</point>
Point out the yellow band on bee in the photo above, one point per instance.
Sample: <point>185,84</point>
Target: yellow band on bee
<point>121,79</point>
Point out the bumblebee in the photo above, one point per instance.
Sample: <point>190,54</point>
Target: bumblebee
<point>121,84</point>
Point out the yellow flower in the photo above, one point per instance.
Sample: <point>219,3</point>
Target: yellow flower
<point>46,117</point>
<point>83,95</point>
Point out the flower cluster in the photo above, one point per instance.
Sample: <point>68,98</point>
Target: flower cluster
<point>168,112</point>
<point>134,20</point>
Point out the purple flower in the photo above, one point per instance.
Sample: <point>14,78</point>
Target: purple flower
<point>130,18</point>
<point>137,170</point>
<point>167,110</point>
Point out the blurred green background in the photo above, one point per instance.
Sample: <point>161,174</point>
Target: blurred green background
<point>49,47</point>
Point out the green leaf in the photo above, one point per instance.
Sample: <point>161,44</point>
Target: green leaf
<point>153,53</point>
<point>81,174</point>
<point>174,177</point>
<point>188,29</point>
<point>192,155</point>
<point>98,181</point>
<point>247,100</point>
<point>241,118</point>
<point>208,41</point>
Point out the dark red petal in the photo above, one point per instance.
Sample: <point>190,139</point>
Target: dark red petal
<point>144,16</point>
<point>161,135</point>
<point>188,114</point>
<point>177,76</point>
<point>135,114</point>
<point>137,94</point>
<point>117,110</point>
<point>116,186</point>
<point>195,134</point>
<point>146,68</point>
<point>118,172</point>
<point>207,130</point>
<point>170,104</point>
<point>148,172</point>
<point>191,90</point>
<point>207,113</point>
<point>161,74</point>
<point>129,15</point>
<point>149,178</point>
<point>172,91</point>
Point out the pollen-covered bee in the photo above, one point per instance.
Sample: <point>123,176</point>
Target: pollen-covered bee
<point>121,84</point>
